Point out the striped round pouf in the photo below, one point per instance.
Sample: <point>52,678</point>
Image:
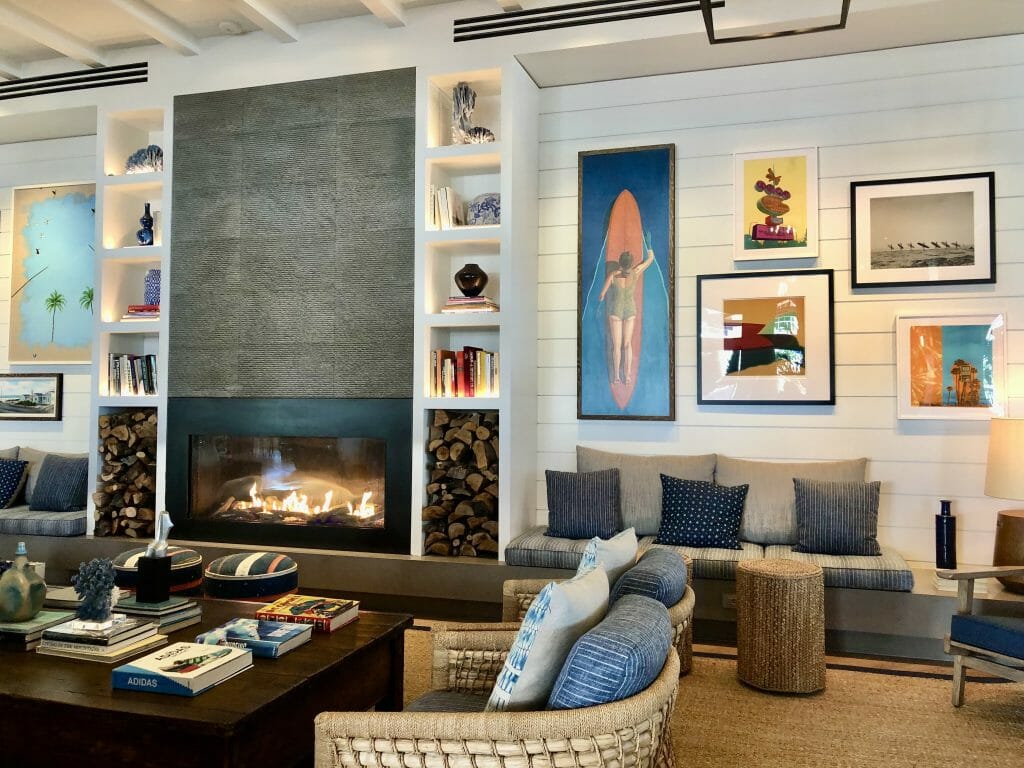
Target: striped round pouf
<point>186,569</point>
<point>251,576</point>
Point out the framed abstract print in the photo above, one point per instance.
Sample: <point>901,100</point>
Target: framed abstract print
<point>937,230</point>
<point>31,396</point>
<point>951,366</point>
<point>53,274</point>
<point>765,338</point>
<point>776,214</point>
<point>626,288</point>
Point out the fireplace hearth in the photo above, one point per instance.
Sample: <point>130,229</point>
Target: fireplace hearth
<point>330,474</point>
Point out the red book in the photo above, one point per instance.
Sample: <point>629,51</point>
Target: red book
<point>326,614</point>
<point>143,307</point>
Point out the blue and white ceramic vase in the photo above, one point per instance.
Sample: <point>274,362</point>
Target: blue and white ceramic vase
<point>22,590</point>
<point>145,235</point>
<point>484,209</point>
<point>151,287</point>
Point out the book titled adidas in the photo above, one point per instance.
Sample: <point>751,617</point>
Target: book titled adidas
<point>182,669</point>
<point>266,639</point>
<point>326,614</point>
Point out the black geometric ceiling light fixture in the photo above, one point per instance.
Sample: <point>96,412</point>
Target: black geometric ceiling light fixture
<point>571,15</point>
<point>709,24</point>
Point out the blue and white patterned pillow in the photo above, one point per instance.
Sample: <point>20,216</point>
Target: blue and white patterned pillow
<point>696,513</point>
<point>619,657</point>
<point>583,504</point>
<point>836,517</point>
<point>660,574</point>
<point>617,554</point>
<point>13,474</point>
<point>61,485</point>
<point>556,619</point>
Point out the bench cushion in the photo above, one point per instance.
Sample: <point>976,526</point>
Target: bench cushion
<point>640,483</point>
<point>20,520</point>
<point>888,571</point>
<point>1001,634</point>
<point>532,548</point>
<point>708,563</point>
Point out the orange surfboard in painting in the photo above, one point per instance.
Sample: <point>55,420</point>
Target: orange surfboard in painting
<point>625,233</point>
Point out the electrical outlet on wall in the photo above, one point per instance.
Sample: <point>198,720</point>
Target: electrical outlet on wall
<point>729,601</point>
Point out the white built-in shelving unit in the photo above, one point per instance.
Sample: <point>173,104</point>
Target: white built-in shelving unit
<point>506,103</point>
<point>122,265</point>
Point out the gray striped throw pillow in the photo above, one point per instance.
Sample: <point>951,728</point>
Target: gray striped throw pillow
<point>836,517</point>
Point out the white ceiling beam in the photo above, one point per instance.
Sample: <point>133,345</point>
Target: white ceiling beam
<point>268,18</point>
<point>9,69</point>
<point>45,33</point>
<point>160,26</point>
<point>510,5</point>
<point>388,11</point>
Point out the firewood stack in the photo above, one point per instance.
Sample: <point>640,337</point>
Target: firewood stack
<point>125,495</point>
<point>461,516</point>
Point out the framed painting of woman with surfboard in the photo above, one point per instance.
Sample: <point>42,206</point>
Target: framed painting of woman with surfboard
<point>625,337</point>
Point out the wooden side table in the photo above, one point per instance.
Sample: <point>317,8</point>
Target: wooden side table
<point>780,625</point>
<point>1009,547</point>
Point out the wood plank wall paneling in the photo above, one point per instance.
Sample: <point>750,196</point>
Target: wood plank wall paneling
<point>927,110</point>
<point>37,163</point>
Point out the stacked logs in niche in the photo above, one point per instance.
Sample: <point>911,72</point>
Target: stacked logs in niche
<point>125,495</point>
<point>461,516</point>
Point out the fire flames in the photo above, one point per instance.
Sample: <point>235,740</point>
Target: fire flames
<point>364,509</point>
<point>299,503</point>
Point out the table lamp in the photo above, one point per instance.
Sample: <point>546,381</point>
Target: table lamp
<point>1004,479</point>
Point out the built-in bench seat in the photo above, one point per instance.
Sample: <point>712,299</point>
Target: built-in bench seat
<point>64,484</point>
<point>22,522</point>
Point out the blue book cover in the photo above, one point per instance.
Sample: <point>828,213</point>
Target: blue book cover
<point>267,639</point>
<point>182,669</point>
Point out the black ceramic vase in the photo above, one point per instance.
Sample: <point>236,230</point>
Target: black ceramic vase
<point>471,280</point>
<point>145,235</point>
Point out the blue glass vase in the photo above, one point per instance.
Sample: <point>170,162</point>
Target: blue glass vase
<point>145,235</point>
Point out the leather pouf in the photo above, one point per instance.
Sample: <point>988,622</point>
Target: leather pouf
<point>186,569</point>
<point>260,576</point>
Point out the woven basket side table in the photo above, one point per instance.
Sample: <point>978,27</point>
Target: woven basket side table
<point>780,625</point>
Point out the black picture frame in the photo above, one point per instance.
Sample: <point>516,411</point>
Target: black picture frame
<point>927,230</point>
<point>18,392</point>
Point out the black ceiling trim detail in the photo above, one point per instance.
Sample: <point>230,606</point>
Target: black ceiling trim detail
<point>709,25</point>
<point>569,15</point>
<point>100,77</point>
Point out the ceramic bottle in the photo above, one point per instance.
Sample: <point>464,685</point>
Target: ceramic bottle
<point>22,590</point>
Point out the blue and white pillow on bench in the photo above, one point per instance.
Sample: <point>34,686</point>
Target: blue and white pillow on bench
<point>617,554</point>
<point>660,575</point>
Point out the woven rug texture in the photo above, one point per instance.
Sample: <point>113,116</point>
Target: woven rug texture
<point>861,719</point>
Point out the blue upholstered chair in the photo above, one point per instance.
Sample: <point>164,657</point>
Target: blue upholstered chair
<point>990,644</point>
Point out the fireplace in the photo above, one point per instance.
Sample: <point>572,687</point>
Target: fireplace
<point>330,473</point>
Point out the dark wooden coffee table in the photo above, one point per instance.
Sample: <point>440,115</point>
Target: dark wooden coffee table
<point>56,711</point>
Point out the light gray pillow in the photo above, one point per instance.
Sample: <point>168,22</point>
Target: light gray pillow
<point>769,515</point>
<point>35,461</point>
<point>640,481</point>
<point>617,554</point>
<point>9,453</point>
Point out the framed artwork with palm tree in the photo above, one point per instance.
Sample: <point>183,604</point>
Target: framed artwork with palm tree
<point>53,273</point>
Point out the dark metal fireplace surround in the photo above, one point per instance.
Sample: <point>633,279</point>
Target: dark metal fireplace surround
<point>388,420</point>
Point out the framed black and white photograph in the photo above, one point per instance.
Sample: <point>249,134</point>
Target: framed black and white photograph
<point>937,230</point>
<point>31,396</point>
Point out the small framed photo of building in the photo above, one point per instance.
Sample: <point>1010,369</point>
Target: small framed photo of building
<point>31,396</point>
<point>937,230</point>
<point>951,366</point>
<point>765,338</point>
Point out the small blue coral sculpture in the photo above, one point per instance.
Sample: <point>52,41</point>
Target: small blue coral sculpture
<point>94,583</point>
<point>145,160</point>
<point>484,209</point>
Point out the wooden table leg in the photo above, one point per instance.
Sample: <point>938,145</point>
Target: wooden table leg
<point>395,697</point>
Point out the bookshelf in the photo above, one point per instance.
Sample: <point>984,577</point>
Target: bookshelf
<point>507,252</point>
<point>122,266</point>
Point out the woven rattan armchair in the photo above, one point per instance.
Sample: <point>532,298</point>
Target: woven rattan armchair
<point>466,658</point>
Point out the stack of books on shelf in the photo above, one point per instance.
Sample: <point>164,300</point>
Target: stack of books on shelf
<point>456,304</point>
<point>326,614</point>
<point>142,312</point>
<point>131,374</point>
<point>182,669</point>
<point>266,639</point>
<point>444,208</point>
<point>468,372</point>
<point>169,616</point>
<point>120,637</point>
<point>26,635</point>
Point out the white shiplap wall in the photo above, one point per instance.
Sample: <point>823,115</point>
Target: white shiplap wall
<point>930,110</point>
<point>27,164</point>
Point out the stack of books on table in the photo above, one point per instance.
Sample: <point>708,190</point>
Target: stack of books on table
<point>169,616</point>
<point>183,669</point>
<point>457,304</point>
<point>326,614</point>
<point>26,635</point>
<point>142,312</point>
<point>120,637</point>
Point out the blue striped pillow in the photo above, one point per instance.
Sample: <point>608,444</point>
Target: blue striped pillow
<point>836,517</point>
<point>61,485</point>
<point>616,659</point>
<point>12,479</point>
<point>582,505</point>
<point>660,574</point>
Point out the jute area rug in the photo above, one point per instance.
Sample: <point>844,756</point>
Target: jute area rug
<point>862,718</point>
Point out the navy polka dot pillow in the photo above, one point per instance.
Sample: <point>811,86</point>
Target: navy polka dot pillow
<point>13,474</point>
<point>696,513</point>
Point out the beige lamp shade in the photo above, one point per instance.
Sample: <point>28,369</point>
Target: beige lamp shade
<point>1004,474</point>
